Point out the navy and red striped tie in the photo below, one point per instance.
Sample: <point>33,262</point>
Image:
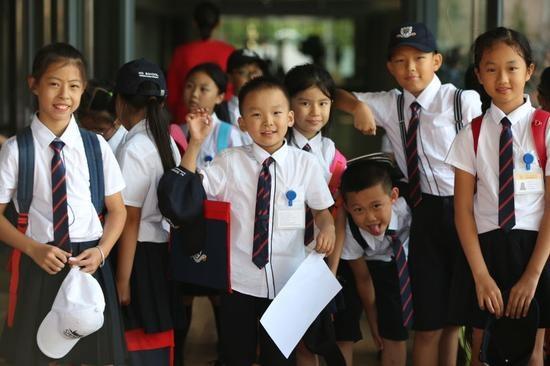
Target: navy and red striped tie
<point>415,193</point>
<point>59,196</point>
<point>260,251</point>
<point>308,235</point>
<point>405,291</point>
<point>506,215</point>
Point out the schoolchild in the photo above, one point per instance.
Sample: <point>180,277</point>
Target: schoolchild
<point>242,66</point>
<point>97,113</point>
<point>64,228</point>
<point>145,154</point>
<point>268,184</point>
<point>204,87</point>
<point>377,231</point>
<point>543,90</point>
<point>503,228</point>
<point>311,90</point>
<point>421,125</point>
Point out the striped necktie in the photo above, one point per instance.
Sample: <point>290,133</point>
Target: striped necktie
<point>404,278</point>
<point>59,196</point>
<point>260,250</point>
<point>506,215</point>
<point>415,194</point>
<point>309,233</point>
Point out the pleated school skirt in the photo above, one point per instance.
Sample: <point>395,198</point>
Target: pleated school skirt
<point>36,293</point>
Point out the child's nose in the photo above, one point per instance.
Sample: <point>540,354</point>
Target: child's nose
<point>64,91</point>
<point>315,109</point>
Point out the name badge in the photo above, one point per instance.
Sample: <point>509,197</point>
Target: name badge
<point>293,217</point>
<point>528,181</point>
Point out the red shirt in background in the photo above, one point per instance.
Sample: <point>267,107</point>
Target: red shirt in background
<point>184,59</point>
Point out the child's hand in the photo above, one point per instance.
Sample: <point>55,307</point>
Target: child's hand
<point>521,296</point>
<point>88,260</point>
<point>363,120</point>
<point>123,290</point>
<point>372,319</point>
<point>50,258</point>
<point>325,240</point>
<point>489,296</point>
<point>200,124</point>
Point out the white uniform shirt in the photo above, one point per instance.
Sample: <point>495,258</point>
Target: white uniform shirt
<point>485,164</point>
<point>117,138</point>
<point>209,148</point>
<point>379,247</point>
<point>436,130</point>
<point>84,224</point>
<point>321,147</point>
<point>233,177</point>
<point>142,168</point>
<point>234,114</point>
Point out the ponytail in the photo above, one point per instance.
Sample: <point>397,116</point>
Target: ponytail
<point>157,125</point>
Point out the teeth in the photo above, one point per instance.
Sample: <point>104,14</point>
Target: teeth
<point>61,106</point>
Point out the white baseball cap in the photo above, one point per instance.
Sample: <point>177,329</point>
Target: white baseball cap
<point>77,311</point>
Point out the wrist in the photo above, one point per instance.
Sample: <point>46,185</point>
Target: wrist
<point>102,263</point>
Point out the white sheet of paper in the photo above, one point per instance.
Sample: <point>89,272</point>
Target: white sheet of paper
<point>299,302</point>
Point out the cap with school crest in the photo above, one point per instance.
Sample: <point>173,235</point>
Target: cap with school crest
<point>415,35</point>
<point>131,76</point>
<point>77,312</point>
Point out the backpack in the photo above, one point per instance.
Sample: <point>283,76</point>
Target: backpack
<point>25,184</point>
<point>337,168</point>
<point>538,129</point>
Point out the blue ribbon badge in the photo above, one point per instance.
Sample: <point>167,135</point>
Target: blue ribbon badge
<point>207,158</point>
<point>291,196</point>
<point>528,159</point>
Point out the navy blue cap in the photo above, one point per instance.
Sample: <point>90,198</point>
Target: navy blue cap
<point>508,341</point>
<point>415,35</point>
<point>131,75</point>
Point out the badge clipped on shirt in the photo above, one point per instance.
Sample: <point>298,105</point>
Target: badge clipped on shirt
<point>292,214</point>
<point>528,179</point>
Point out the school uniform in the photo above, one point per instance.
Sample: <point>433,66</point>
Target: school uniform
<point>233,176</point>
<point>117,138</point>
<point>141,165</point>
<point>505,253</point>
<point>383,269</point>
<point>209,148</point>
<point>434,248</point>
<point>234,114</point>
<point>37,289</point>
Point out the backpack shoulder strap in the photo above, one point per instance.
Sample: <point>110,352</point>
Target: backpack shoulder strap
<point>356,233</point>
<point>25,178</point>
<point>337,168</point>
<point>401,117</point>
<point>538,129</point>
<point>457,106</point>
<point>95,168</point>
<point>224,133</point>
<point>476,128</point>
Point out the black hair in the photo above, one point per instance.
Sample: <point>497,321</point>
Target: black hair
<point>215,73</point>
<point>509,37</point>
<point>57,52</point>
<point>97,104</point>
<point>207,17</point>
<point>544,85</point>
<point>157,120</point>
<point>261,83</point>
<point>302,77</point>
<point>366,174</point>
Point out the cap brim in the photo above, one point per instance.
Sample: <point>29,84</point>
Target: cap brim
<point>50,341</point>
<point>418,46</point>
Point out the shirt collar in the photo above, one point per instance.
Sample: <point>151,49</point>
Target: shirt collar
<point>45,136</point>
<point>515,116</point>
<point>300,140</point>
<point>426,97</point>
<point>279,156</point>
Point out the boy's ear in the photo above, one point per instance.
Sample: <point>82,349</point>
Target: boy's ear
<point>394,195</point>
<point>290,118</point>
<point>438,61</point>
<point>389,66</point>
<point>32,84</point>
<point>242,123</point>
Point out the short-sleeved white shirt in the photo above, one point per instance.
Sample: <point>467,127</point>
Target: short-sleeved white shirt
<point>485,164</point>
<point>233,177</point>
<point>142,168</point>
<point>321,147</point>
<point>379,247</point>
<point>117,138</point>
<point>436,130</point>
<point>209,148</point>
<point>84,224</point>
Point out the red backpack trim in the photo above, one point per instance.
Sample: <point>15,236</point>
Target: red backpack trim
<point>337,168</point>
<point>538,129</point>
